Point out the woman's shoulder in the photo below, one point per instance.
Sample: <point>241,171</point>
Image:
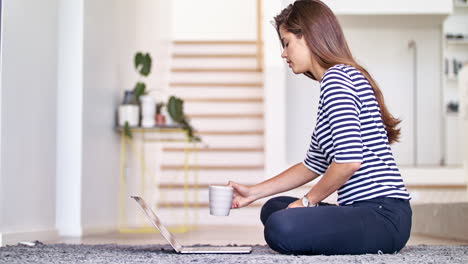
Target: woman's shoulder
<point>337,80</point>
<point>338,71</point>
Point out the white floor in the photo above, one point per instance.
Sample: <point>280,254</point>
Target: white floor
<point>214,235</point>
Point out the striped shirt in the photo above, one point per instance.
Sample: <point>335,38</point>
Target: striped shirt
<point>349,128</point>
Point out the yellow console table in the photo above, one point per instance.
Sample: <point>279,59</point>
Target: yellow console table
<point>147,135</point>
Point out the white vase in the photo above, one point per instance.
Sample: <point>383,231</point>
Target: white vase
<point>128,113</point>
<point>148,111</point>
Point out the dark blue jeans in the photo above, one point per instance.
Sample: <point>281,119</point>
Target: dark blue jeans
<point>364,227</point>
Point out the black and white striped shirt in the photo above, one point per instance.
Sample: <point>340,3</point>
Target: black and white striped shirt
<point>349,128</point>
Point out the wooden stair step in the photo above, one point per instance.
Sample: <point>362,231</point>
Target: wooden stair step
<point>214,149</point>
<point>230,133</point>
<point>224,100</point>
<point>213,55</point>
<point>213,167</point>
<point>214,84</point>
<point>223,116</point>
<point>215,70</point>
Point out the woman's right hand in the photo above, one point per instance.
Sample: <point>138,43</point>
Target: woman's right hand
<point>242,195</point>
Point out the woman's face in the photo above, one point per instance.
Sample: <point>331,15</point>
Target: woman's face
<point>296,52</point>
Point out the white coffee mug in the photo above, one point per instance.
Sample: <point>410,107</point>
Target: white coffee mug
<point>220,200</point>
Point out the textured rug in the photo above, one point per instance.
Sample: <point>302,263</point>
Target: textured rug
<point>111,253</point>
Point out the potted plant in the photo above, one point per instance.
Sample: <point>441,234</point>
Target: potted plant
<point>143,66</point>
<point>175,108</point>
<point>160,118</point>
<point>128,112</point>
<point>147,103</point>
<point>141,103</point>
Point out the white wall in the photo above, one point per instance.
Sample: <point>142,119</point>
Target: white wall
<point>1,55</point>
<point>97,68</point>
<point>67,109</point>
<point>113,32</point>
<point>385,54</point>
<point>29,63</point>
<point>214,20</point>
<point>100,99</point>
<point>145,26</point>
<point>386,7</point>
<point>275,93</point>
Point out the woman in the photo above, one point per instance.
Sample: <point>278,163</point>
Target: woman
<point>350,147</point>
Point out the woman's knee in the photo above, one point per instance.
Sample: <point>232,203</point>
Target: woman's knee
<point>279,233</point>
<point>273,205</point>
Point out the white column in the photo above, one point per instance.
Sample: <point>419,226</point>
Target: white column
<point>69,117</point>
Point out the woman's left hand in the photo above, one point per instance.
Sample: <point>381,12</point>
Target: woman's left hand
<point>295,204</point>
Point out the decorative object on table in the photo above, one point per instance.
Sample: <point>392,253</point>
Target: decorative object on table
<point>129,98</point>
<point>160,118</point>
<point>148,108</point>
<point>128,114</point>
<point>175,108</point>
<point>147,104</point>
<point>128,111</point>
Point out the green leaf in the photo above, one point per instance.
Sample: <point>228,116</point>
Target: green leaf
<point>175,107</point>
<point>138,59</point>
<point>186,125</point>
<point>127,131</point>
<point>143,63</point>
<point>139,90</point>
<point>145,70</point>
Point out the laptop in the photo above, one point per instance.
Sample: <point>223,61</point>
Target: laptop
<point>178,247</point>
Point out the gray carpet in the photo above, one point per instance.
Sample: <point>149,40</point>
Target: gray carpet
<point>111,253</point>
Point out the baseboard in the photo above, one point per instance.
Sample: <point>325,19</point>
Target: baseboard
<point>97,230</point>
<point>446,220</point>
<point>86,231</point>
<point>11,238</point>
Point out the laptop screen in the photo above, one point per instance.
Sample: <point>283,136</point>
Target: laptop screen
<point>157,223</point>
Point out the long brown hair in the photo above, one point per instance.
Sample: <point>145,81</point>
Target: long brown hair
<point>314,21</point>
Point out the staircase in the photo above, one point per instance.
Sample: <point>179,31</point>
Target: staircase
<point>223,92</point>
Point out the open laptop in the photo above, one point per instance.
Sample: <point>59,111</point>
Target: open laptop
<point>178,247</point>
